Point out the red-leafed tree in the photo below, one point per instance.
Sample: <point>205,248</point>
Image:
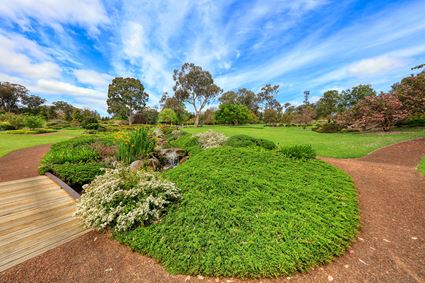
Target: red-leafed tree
<point>377,112</point>
<point>411,92</point>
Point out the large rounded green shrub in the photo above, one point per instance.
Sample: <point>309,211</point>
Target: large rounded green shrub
<point>250,213</point>
<point>245,141</point>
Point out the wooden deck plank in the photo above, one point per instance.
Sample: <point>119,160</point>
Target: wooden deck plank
<point>23,190</point>
<point>16,216</point>
<point>32,204</point>
<point>36,215</point>
<point>26,180</point>
<point>35,220</point>
<point>44,193</point>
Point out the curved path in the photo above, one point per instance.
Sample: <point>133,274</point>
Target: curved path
<point>22,163</point>
<point>390,246</point>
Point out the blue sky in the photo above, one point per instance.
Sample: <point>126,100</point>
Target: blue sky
<point>70,50</point>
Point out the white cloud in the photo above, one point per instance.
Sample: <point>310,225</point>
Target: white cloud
<point>89,14</point>
<point>63,88</point>
<point>20,56</point>
<point>93,78</point>
<point>376,66</point>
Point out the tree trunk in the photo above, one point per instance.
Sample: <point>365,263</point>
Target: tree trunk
<point>197,120</point>
<point>130,118</point>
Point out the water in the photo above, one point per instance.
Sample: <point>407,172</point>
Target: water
<point>172,158</point>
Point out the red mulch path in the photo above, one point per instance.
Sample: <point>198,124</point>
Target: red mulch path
<point>22,163</point>
<point>390,246</point>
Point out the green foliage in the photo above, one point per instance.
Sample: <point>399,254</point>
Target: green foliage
<point>138,145</point>
<point>33,122</point>
<point>167,116</point>
<point>75,161</point>
<point>421,166</point>
<point>329,127</point>
<point>233,114</point>
<point>126,95</point>
<point>303,152</point>
<point>250,213</point>
<point>5,126</point>
<point>30,132</point>
<point>417,120</point>
<point>77,174</point>
<point>195,86</point>
<point>245,140</point>
<point>15,120</point>
<point>90,123</point>
<point>58,124</point>
<point>188,143</point>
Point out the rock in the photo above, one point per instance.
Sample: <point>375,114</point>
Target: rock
<point>154,162</point>
<point>184,159</point>
<point>330,278</point>
<point>136,165</point>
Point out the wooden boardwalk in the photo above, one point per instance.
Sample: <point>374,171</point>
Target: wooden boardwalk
<point>36,215</point>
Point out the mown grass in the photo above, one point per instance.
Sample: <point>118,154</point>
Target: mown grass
<point>248,212</point>
<point>421,166</point>
<point>339,145</point>
<point>11,142</point>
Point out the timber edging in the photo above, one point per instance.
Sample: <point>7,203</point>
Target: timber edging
<point>63,185</point>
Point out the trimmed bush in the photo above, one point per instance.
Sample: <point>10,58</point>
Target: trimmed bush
<point>78,161</point>
<point>121,200</point>
<point>77,174</point>
<point>304,152</point>
<point>245,141</point>
<point>331,127</point>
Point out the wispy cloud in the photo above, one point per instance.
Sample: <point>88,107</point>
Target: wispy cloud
<point>72,49</point>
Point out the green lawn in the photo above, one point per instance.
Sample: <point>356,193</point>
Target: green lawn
<point>340,145</point>
<point>10,142</point>
<point>421,166</point>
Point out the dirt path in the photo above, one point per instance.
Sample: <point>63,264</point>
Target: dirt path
<point>390,247</point>
<point>22,163</point>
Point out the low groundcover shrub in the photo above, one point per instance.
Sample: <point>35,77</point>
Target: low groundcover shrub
<point>298,152</point>
<point>121,199</point>
<point>251,213</point>
<point>245,141</point>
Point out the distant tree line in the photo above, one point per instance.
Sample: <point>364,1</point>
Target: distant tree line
<point>358,108</point>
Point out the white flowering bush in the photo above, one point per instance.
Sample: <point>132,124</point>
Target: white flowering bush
<point>121,199</point>
<point>211,139</point>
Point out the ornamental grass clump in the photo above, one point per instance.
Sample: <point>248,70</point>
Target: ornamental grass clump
<point>134,145</point>
<point>121,200</point>
<point>211,139</point>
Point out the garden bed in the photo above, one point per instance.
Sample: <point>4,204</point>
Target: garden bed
<point>249,213</point>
